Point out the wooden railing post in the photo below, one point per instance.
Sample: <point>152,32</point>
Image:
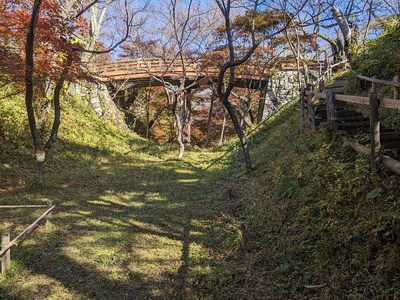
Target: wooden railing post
<point>331,116</point>
<point>329,71</point>
<point>48,217</point>
<point>374,128</point>
<point>396,89</point>
<point>310,109</point>
<point>5,260</point>
<point>321,85</point>
<point>302,96</point>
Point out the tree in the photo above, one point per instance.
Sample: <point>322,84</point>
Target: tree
<point>143,108</point>
<point>52,53</point>
<point>225,91</point>
<point>70,56</point>
<point>178,29</point>
<point>343,25</point>
<point>264,58</point>
<point>241,44</point>
<point>11,62</point>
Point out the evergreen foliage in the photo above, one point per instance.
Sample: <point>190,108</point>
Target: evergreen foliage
<point>380,57</point>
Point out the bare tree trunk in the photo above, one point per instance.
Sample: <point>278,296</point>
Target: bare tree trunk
<point>209,122</point>
<point>229,66</point>
<point>248,104</point>
<point>244,110</point>
<point>239,132</point>
<point>296,53</point>
<point>186,117</point>
<point>30,38</point>
<point>221,140</point>
<point>176,112</point>
<point>147,115</point>
<point>29,84</point>
<point>346,31</point>
<point>41,155</point>
<point>336,44</point>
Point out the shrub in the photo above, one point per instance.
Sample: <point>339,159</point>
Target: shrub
<point>380,56</point>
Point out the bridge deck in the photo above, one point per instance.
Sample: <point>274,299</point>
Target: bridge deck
<point>146,72</point>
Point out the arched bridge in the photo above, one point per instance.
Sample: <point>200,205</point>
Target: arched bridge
<point>124,77</point>
<point>147,72</point>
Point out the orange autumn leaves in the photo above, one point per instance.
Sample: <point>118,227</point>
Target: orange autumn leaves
<point>57,35</point>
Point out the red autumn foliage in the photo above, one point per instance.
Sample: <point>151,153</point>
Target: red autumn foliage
<point>53,41</point>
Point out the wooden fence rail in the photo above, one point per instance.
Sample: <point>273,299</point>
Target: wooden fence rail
<point>328,72</point>
<point>6,244</point>
<point>308,95</point>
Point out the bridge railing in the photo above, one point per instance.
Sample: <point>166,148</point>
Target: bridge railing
<point>144,65</point>
<point>136,67</point>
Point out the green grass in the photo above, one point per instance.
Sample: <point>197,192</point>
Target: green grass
<point>123,228</point>
<point>313,215</point>
<point>133,222</point>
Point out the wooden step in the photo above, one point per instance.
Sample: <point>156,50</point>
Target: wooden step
<point>336,87</point>
<point>391,144</point>
<point>390,139</point>
<point>354,123</point>
<point>354,117</point>
<point>354,127</point>
<point>346,113</point>
<point>336,83</point>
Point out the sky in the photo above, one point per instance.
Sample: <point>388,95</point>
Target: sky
<point>155,25</point>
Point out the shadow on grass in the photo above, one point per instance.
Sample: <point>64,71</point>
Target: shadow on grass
<point>125,227</point>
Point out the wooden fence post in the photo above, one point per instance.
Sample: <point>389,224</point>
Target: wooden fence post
<point>374,127</point>
<point>302,95</point>
<point>331,116</point>
<point>5,260</point>
<point>321,85</point>
<point>310,109</point>
<point>48,217</point>
<point>396,89</point>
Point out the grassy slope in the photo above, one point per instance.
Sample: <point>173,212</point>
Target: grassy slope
<point>133,223</point>
<point>318,224</point>
<point>130,220</point>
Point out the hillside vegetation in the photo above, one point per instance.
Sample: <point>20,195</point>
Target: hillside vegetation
<point>131,222</point>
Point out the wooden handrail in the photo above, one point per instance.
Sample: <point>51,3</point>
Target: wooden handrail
<point>374,103</point>
<point>328,71</point>
<point>23,206</point>
<point>339,63</point>
<point>381,81</point>
<point>15,241</point>
<point>390,163</point>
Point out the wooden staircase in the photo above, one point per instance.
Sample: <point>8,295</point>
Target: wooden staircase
<point>351,121</point>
